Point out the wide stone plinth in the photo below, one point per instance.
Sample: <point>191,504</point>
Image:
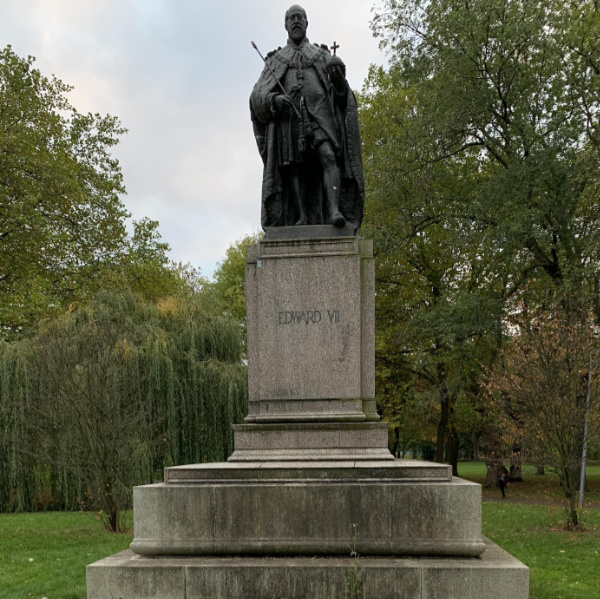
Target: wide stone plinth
<point>311,334</point>
<point>309,509</point>
<point>395,471</point>
<point>311,441</point>
<point>494,575</point>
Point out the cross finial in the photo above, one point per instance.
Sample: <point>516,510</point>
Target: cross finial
<point>335,47</point>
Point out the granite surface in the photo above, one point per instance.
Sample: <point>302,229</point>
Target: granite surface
<point>494,575</point>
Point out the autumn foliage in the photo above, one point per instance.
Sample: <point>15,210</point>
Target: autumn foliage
<point>537,395</point>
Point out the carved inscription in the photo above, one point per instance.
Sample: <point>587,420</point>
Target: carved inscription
<point>334,315</point>
<point>308,316</point>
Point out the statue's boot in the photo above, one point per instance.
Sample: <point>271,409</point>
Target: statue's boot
<point>302,220</point>
<point>332,188</point>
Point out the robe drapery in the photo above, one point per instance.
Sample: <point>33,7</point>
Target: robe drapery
<point>287,143</point>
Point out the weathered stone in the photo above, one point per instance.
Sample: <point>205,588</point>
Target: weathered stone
<point>311,345</point>
<point>495,575</point>
<point>126,575</point>
<point>305,410</point>
<point>398,470</point>
<point>304,516</point>
<point>311,441</point>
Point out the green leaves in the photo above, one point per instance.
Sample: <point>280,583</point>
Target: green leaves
<point>230,276</point>
<point>481,159</point>
<point>62,222</point>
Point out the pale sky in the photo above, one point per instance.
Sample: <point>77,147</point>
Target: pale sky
<point>178,74</point>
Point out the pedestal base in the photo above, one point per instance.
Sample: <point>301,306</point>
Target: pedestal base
<point>495,575</point>
<point>308,508</point>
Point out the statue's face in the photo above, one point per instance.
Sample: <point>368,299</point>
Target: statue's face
<point>296,24</point>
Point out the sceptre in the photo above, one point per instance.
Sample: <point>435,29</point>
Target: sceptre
<point>277,80</point>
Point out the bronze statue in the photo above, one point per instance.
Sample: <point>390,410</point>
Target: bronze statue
<point>306,126</point>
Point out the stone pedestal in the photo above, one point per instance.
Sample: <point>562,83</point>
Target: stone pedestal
<point>311,330</point>
<point>311,480</point>
<point>309,508</point>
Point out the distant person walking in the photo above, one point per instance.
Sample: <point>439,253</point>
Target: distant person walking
<point>502,480</point>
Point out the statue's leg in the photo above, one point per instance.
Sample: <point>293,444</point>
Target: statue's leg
<point>331,180</point>
<point>298,200</point>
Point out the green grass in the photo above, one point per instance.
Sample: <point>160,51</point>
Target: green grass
<point>45,554</point>
<point>563,565</point>
<point>529,525</point>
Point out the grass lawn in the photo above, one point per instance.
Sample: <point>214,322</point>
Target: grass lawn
<point>528,524</point>
<point>563,565</point>
<point>45,554</point>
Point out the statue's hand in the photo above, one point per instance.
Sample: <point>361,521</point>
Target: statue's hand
<point>337,77</point>
<point>281,103</point>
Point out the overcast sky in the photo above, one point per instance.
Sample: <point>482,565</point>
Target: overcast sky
<point>178,74</point>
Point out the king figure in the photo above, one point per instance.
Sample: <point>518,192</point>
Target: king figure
<point>306,126</point>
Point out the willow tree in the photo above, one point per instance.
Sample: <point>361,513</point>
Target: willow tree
<point>111,392</point>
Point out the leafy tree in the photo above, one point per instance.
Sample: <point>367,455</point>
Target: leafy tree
<point>482,166</point>
<point>109,393</point>
<point>511,86</point>
<point>228,290</point>
<point>230,277</point>
<point>62,224</point>
<point>438,314</point>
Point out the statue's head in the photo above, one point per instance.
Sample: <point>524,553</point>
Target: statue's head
<point>296,22</point>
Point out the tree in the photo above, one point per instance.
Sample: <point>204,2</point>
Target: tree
<point>538,392</point>
<point>482,170</point>
<point>438,314</point>
<point>230,277</point>
<point>228,289</point>
<point>62,224</point>
<point>512,87</point>
<point>111,392</point>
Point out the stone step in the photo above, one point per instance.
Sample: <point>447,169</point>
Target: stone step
<point>311,441</point>
<point>301,471</point>
<point>494,575</point>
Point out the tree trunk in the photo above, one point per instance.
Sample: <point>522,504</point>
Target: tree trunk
<point>492,464</point>
<point>111,509</point>
<point>444,414</point>
<point>577,479</point>
<point>516,462</point>
<point>452,447</point>
<point>570,486</point>
<point>475,443</point>
<point>396,442</point>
